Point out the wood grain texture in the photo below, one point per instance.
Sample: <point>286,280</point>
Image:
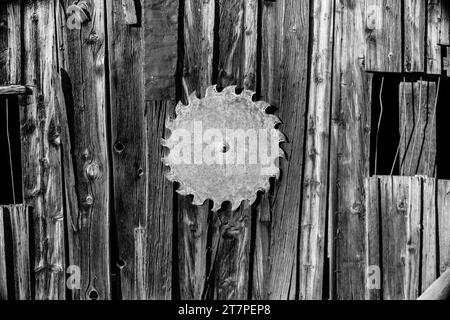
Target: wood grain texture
<point>10,43</point>
<point>439,290</point>
<point>20,226</point>
<point>41,153</point>
<point>443,207</point>
<point>315,186</point>
<point>415,34</point>
<point>85,85</point>
<point>384,35</point>
<point>4,56</point>
<point>160,66</point>
<point>373,248</point>
<point>129,151</point>
<point>129,12</point>
<point>349,153</point>
<point>430,246</point>
<point>418,128</point>
<point>438,33</point>
<point>199,21</point>
<point>3,277</point>
<point>12,90</point>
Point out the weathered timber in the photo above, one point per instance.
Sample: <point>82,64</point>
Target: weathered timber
<point>438,33</point>
<point>418,128</point>
<point>160,66</point>
<point>373,249</point>
<point>430,269</point>
<point>10,43</point>
<point>12,90</point>
<point>384,35</point>
<point>415,34</point>
<point>350,153</point>
<point>4,57</point>
<point>439,290</point>
<point>443,208</point>
<point>129,12</point>
<point>88,221</point>
<point>315,186</point>
<point>41,153</point>
<point>199,19</point>
<point>129,147</point>
<point>3,278</point>
<point>20,224</point>
<point>237,66</point>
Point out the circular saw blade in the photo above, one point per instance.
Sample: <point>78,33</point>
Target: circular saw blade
<point>224,147</point>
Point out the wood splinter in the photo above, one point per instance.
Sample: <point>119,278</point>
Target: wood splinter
<point>13,90</point>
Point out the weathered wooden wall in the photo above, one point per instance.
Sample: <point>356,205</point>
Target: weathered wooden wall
<point>105,76</point>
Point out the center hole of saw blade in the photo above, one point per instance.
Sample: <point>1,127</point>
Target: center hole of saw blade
<point>224,147</point>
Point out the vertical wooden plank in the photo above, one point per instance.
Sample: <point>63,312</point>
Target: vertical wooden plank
<point>160,66</point>
<point>199,21</point>
<point>89,222</point>
<point>315,188</point>
<point>443,208</point>
<point>19,216</point>
<point>3,279</point>
<point>438,34</point>
<point>129,150</point>
<point>400,215</point>
<point>384,35</point>
<point>418,128</point>
<point>415,29</point>
<point>10,43</point>
<point>4,57</point>
<point>41,161</point>
<point>430,247</point>
<point>350,152</point>
<point>374,251</point>
<point>237,66</point>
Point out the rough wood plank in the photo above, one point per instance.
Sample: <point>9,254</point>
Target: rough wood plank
<point>443,207</point>
<point>4,57</point>
<point>438,34</point>
<point>129,11</point>
<point>3,277</point>
<point>237,66</point>
<point>373,256</point>
<point>400,215</point>
<point>12,90</point>
<point>315,187</point>
<point>350,152</point>
<point>129,149</point>
<point>430,269</point>
<point>161,53</point>
<point>10,43</point>
<point>415,29</point>
<point>19,215</point>
<point>85,84</point>
<point>418,125</point>
<point>384,35</point>
<point>41,153</point>
<point>199,19</point>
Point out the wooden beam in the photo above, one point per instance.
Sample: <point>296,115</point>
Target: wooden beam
<point>439,290</point>
<point>14,90</point>
<point>3,277</point>
<point>415,29</point>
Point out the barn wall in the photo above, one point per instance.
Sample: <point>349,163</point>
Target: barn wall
<point>105,83</point>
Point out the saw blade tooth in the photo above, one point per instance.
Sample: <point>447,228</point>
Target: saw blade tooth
<point>252,199</point>
<point>231,90</point>
<point>193,98</point>
<point>170,175</point>
<point>236,205</point>
<point>165,161</point>
<point>262,105</point>
<point>217,205</point>
<point>164,142</point>
<point>182,191</point>
<point>180,109</point>
<point>275,120</point>
<point>211,91</point>
<point>198,201</point>
<point>281,154</point>
<point>249,94</point>
<point>281,137</point>
<point>169,124</point>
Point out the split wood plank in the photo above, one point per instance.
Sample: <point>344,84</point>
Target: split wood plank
<point>415,34</point>
<point>418,128</point>
<point>19,216</point>
<point>374,250</point>
<point>430,269</point>
<point>438,34</point>
<point>88,222</point>
<point>315,186</point>
<point>160,67</point>
<point>384,36</point>
<point>238,32</point>
<point>349,154</point>
<point>129,152</point>
<point>400,201</point>
<point>41,153</point>
<point>284,85</point>
<point>443,208</point>
<point>199,21</point>
<point>3,276</point>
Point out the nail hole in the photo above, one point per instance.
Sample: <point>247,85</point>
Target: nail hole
<point>140,172</point>
<point>121,263</point>
<point>119,147</point>
<point>93,295</point>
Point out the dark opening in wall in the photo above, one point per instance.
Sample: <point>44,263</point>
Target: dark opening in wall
<point>6,182</point>
<point>408,128</point>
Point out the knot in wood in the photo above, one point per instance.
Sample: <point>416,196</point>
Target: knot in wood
<point>93,171</point>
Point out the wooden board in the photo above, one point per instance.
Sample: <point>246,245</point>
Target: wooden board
<point>41,153</point>
<point>3,276</point>
<point>315,186</point>
<point>443,208</point>
<point>418,128</point>
<point>349,154</point>
<point>384,35</point>
<point>415,34</point>
<point>438,34</point>
<point>199,21</point>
